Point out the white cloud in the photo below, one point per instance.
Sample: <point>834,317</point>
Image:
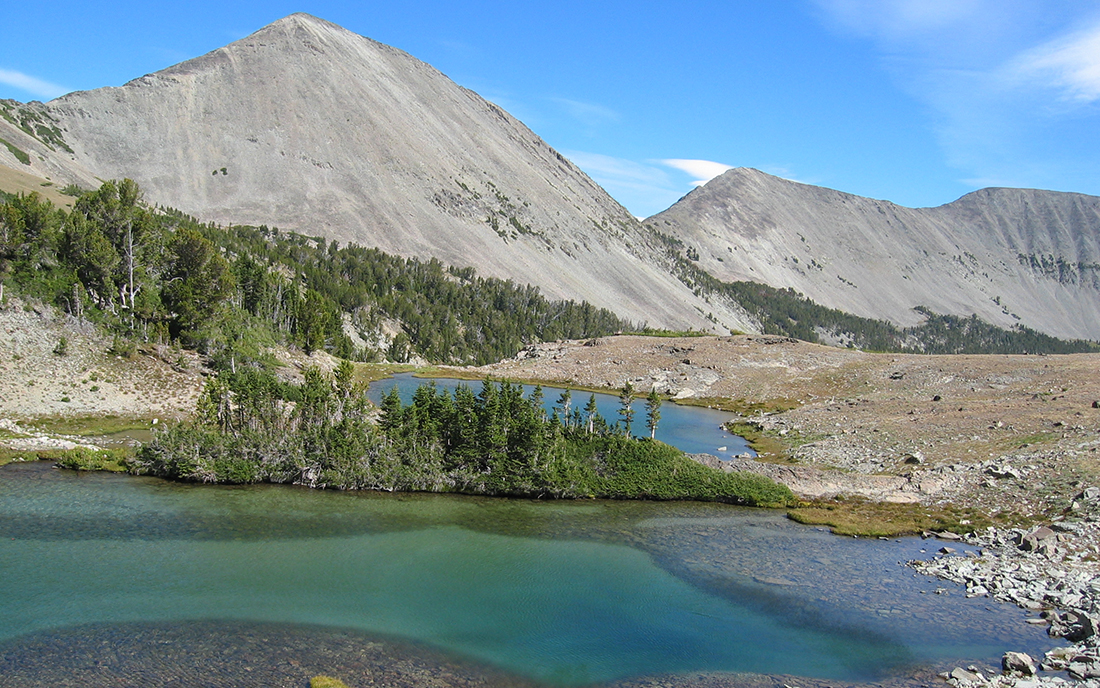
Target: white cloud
<point>32,85</point>
<point>703,170</point>
<point>898,18</point>
<point>1070,62</point>
<point>644,189</point>
<point>624,172</point>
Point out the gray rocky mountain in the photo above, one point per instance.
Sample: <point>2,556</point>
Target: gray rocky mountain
<point>1007,255</point>
<point>309,127</point>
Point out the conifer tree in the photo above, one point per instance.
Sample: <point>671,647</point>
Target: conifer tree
<point>626,410</point>
<point>653,412</point>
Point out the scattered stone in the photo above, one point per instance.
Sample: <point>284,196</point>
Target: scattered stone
<point>1030,542</point>
<point>1003,471</point>
<point>1018,663</point>
<point>914,459</point>
<point>963,677</point>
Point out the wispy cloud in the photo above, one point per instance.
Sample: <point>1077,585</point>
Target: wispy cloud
<point>895,19</point>
<point>1070,62</point>
<point>32,85</point>
<point>996,77</point>
<point>623,172</point>
<point>703,170</point>
<point>644,189</point>
<point>588,114</point>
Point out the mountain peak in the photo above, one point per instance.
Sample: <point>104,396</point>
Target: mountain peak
<point>306,126</point>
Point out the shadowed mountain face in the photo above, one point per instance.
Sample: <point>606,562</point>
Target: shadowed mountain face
<point>1008,255</point>
<point>309,127</point>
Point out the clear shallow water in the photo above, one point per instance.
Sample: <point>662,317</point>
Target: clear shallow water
<point>566,593</point>
<point>693,429</point>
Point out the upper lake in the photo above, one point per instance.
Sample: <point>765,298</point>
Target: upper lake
<point>693,429</point>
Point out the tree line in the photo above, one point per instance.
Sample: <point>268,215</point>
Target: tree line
<point>157,275</point>
<point>788,313</point>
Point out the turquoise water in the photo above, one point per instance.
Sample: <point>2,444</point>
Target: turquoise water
<point>567,593</point>
<point>693,429</point>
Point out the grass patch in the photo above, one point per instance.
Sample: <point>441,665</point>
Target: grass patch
<point>19,455</point>
<point>742,407</point>
<point>17,152</point>
<point>372,372</point>
<point>90,426</point>
<point>85,459</point>
<point>768,447</point>
<point>879,519</point>
<point>480,376</point>
<point>326,682</point>
<point>649,332</point>
<point>1032,439</point>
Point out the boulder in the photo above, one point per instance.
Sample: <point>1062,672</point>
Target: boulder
<point>962,677</point>
<point>1018,663</point>
<point>1004,471</point>
<point>914,459</point>
<point>1073,626</point>
<point>1090,494</point>
<point>1030,542</point>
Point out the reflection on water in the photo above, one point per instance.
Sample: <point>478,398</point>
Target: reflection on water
<point>566,593</point>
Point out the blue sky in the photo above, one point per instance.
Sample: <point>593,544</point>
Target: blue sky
<point>913,101</point>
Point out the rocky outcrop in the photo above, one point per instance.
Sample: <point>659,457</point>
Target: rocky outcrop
<point>1049,570</point>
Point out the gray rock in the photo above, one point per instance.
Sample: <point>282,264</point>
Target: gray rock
<point>1004,471</point>
<point>1030,542</point>
<point>914,459</point>
<point>1018,663</point>
<point>322,131</point>
<point>963,677</point>
<point>884,259</point>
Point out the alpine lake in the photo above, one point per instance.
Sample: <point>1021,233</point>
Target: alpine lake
<point>117,580</point>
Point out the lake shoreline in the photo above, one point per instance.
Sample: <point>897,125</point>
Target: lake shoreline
<point>1007,433</point>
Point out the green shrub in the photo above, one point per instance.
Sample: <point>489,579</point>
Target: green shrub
<point>88,459</point>
<point>121,346</point>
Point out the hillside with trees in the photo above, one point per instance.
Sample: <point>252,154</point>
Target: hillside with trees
<point>789,313</point>
<point>153,275</point>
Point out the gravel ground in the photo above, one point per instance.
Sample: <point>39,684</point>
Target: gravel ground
<point>1001,432</point>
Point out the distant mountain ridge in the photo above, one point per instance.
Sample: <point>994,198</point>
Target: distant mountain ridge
<point>309,127</point>
<point>1007,255</point>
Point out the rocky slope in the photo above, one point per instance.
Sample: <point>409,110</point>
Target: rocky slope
<point>1007,255</point>
<point>306,126</point>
